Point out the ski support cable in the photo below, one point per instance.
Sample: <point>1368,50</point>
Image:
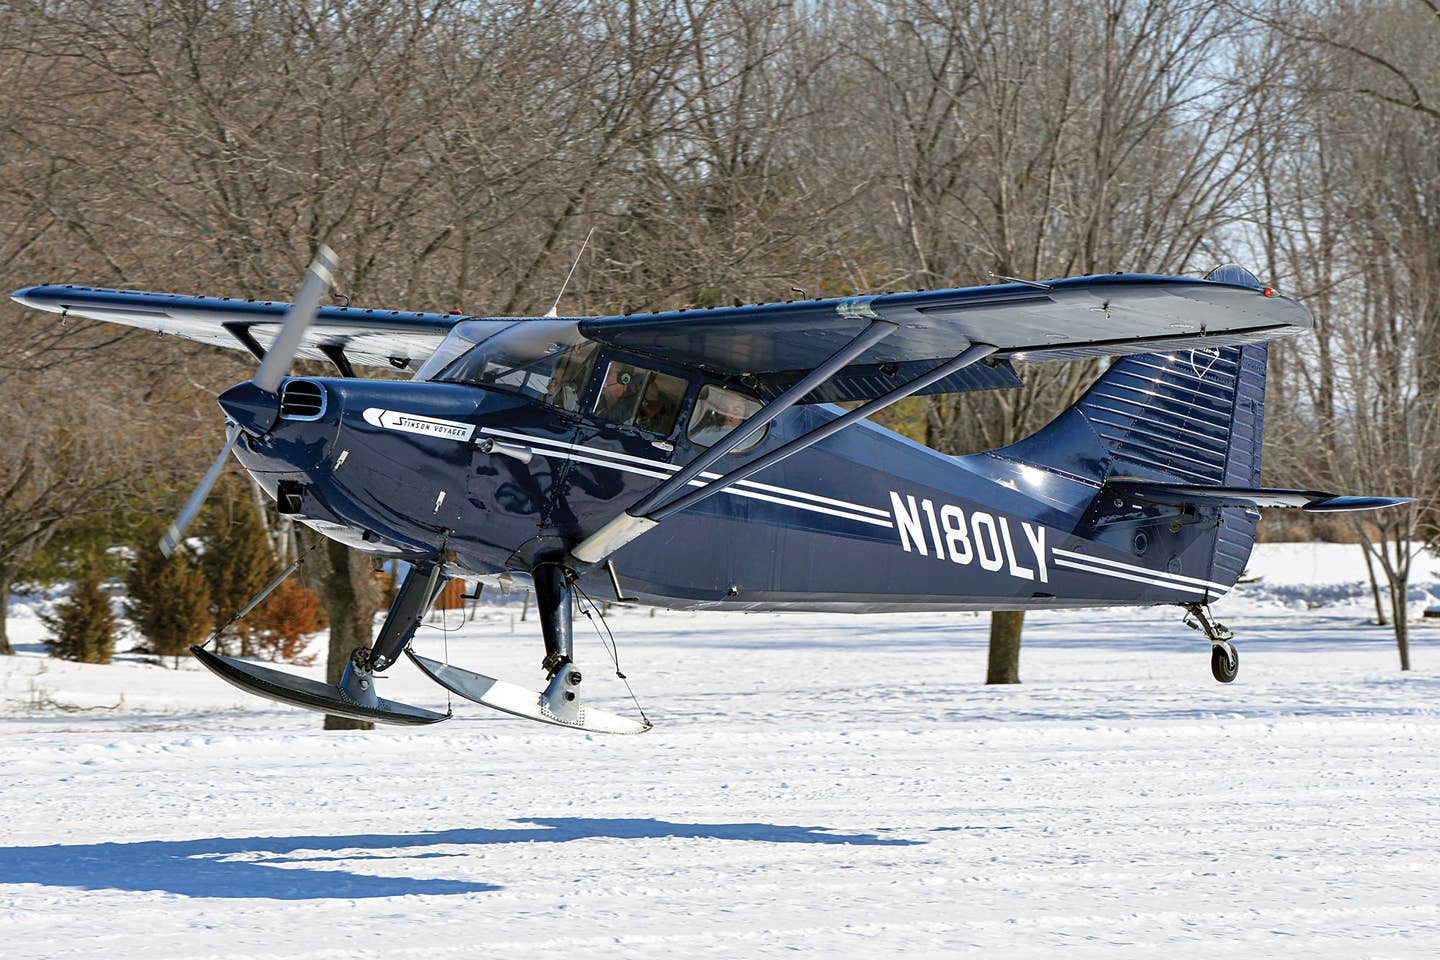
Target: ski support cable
<point>636,520</point>
<point>265,591</point>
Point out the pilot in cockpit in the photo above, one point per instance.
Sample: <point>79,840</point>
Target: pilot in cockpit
<point>619,395</point>
<point>727,411</point>
<point>567,383</point>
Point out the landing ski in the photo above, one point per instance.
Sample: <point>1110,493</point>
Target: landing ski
<point>548,707</point>
<point>353,697</point>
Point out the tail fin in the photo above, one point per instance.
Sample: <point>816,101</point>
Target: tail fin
<point>1192,417</point>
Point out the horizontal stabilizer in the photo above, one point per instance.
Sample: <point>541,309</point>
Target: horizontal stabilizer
<point>358,702</point>
<point>1180,495</point>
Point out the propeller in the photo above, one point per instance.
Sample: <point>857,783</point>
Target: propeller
<point>266,380</point>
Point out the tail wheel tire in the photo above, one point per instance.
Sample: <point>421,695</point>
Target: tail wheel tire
<point>1224,662</point>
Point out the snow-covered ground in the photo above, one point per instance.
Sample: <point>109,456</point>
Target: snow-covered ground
<point>832,786</point>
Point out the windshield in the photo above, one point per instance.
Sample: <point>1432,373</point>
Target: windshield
<point>544,359</point>
<point>461,337</point>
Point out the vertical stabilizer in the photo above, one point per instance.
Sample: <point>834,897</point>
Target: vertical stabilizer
<point>1193,417</point>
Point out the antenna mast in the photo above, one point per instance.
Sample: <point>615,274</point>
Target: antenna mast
<point>554,310</point>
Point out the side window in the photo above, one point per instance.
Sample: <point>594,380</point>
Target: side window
<point>570,377</point>
<point>660,403</point>
<point>647,399</point>
<point>717,412</point>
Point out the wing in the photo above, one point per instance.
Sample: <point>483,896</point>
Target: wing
<point>772,345</point>
<point>396,338</point>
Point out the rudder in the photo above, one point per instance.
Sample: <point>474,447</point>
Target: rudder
<point>1192,417</point>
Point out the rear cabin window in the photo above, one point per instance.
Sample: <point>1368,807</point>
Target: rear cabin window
<point>717,412</point>
<point>647,399</point>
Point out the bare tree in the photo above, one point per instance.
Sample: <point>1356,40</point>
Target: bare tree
<point>1034,139</point>
<point>1351,205</point>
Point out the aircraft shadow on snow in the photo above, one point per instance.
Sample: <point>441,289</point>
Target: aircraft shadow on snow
<point>275,868</point>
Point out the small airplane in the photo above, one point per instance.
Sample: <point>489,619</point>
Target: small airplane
<point>696,458</point>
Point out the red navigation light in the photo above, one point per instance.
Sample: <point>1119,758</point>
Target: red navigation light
<point>1269,291</point>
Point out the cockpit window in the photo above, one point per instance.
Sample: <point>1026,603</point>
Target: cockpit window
<point>544,359</point>
<point>647,399</point>
<point>570,378</point>
<point>717,412</point>
<point>462,337</point>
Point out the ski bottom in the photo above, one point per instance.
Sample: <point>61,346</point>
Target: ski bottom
<point>520,701</point>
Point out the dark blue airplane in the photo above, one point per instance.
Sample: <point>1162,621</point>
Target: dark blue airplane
<point>696,458</point>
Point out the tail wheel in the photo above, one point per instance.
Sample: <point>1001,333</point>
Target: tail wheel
<point>1224,662</point>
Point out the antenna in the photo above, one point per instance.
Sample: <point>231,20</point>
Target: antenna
<point>1029,283</point>
<point>554,310</point>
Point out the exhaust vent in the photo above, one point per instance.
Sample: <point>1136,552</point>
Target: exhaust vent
<point>302,400</point>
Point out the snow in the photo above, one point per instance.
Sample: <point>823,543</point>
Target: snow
<point>825,785</point>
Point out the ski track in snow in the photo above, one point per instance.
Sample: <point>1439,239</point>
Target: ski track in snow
<point>824,785</point>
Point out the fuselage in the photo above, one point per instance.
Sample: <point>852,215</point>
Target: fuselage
<point>494,479</point>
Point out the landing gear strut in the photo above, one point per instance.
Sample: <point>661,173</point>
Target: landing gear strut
<point>417,592</point>
<point>555,600</point>
<point>1224,659</point>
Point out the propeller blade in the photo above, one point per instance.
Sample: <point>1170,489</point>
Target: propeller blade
<point>307,303</point>
<point>172,537</point>
<point>272,370</point>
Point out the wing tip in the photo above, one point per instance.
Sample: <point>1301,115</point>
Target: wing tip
<point>25,296</point>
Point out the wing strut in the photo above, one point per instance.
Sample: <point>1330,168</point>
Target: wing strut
<point>653,508</point>
<point>635,521</point>
<point>335,353</point>
<point>241,332</point>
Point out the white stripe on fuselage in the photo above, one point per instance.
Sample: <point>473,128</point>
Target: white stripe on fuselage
<point>662,465</point>
<point>768,493</point>
<point>1144,571</point>
<point>1121,575</point>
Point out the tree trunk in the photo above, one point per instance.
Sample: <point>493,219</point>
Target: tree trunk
<point>1399,614</point>
<point>5,648</point>
<point>351,600</point>
<point>1374,587</point>
<point>1005,627</point>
